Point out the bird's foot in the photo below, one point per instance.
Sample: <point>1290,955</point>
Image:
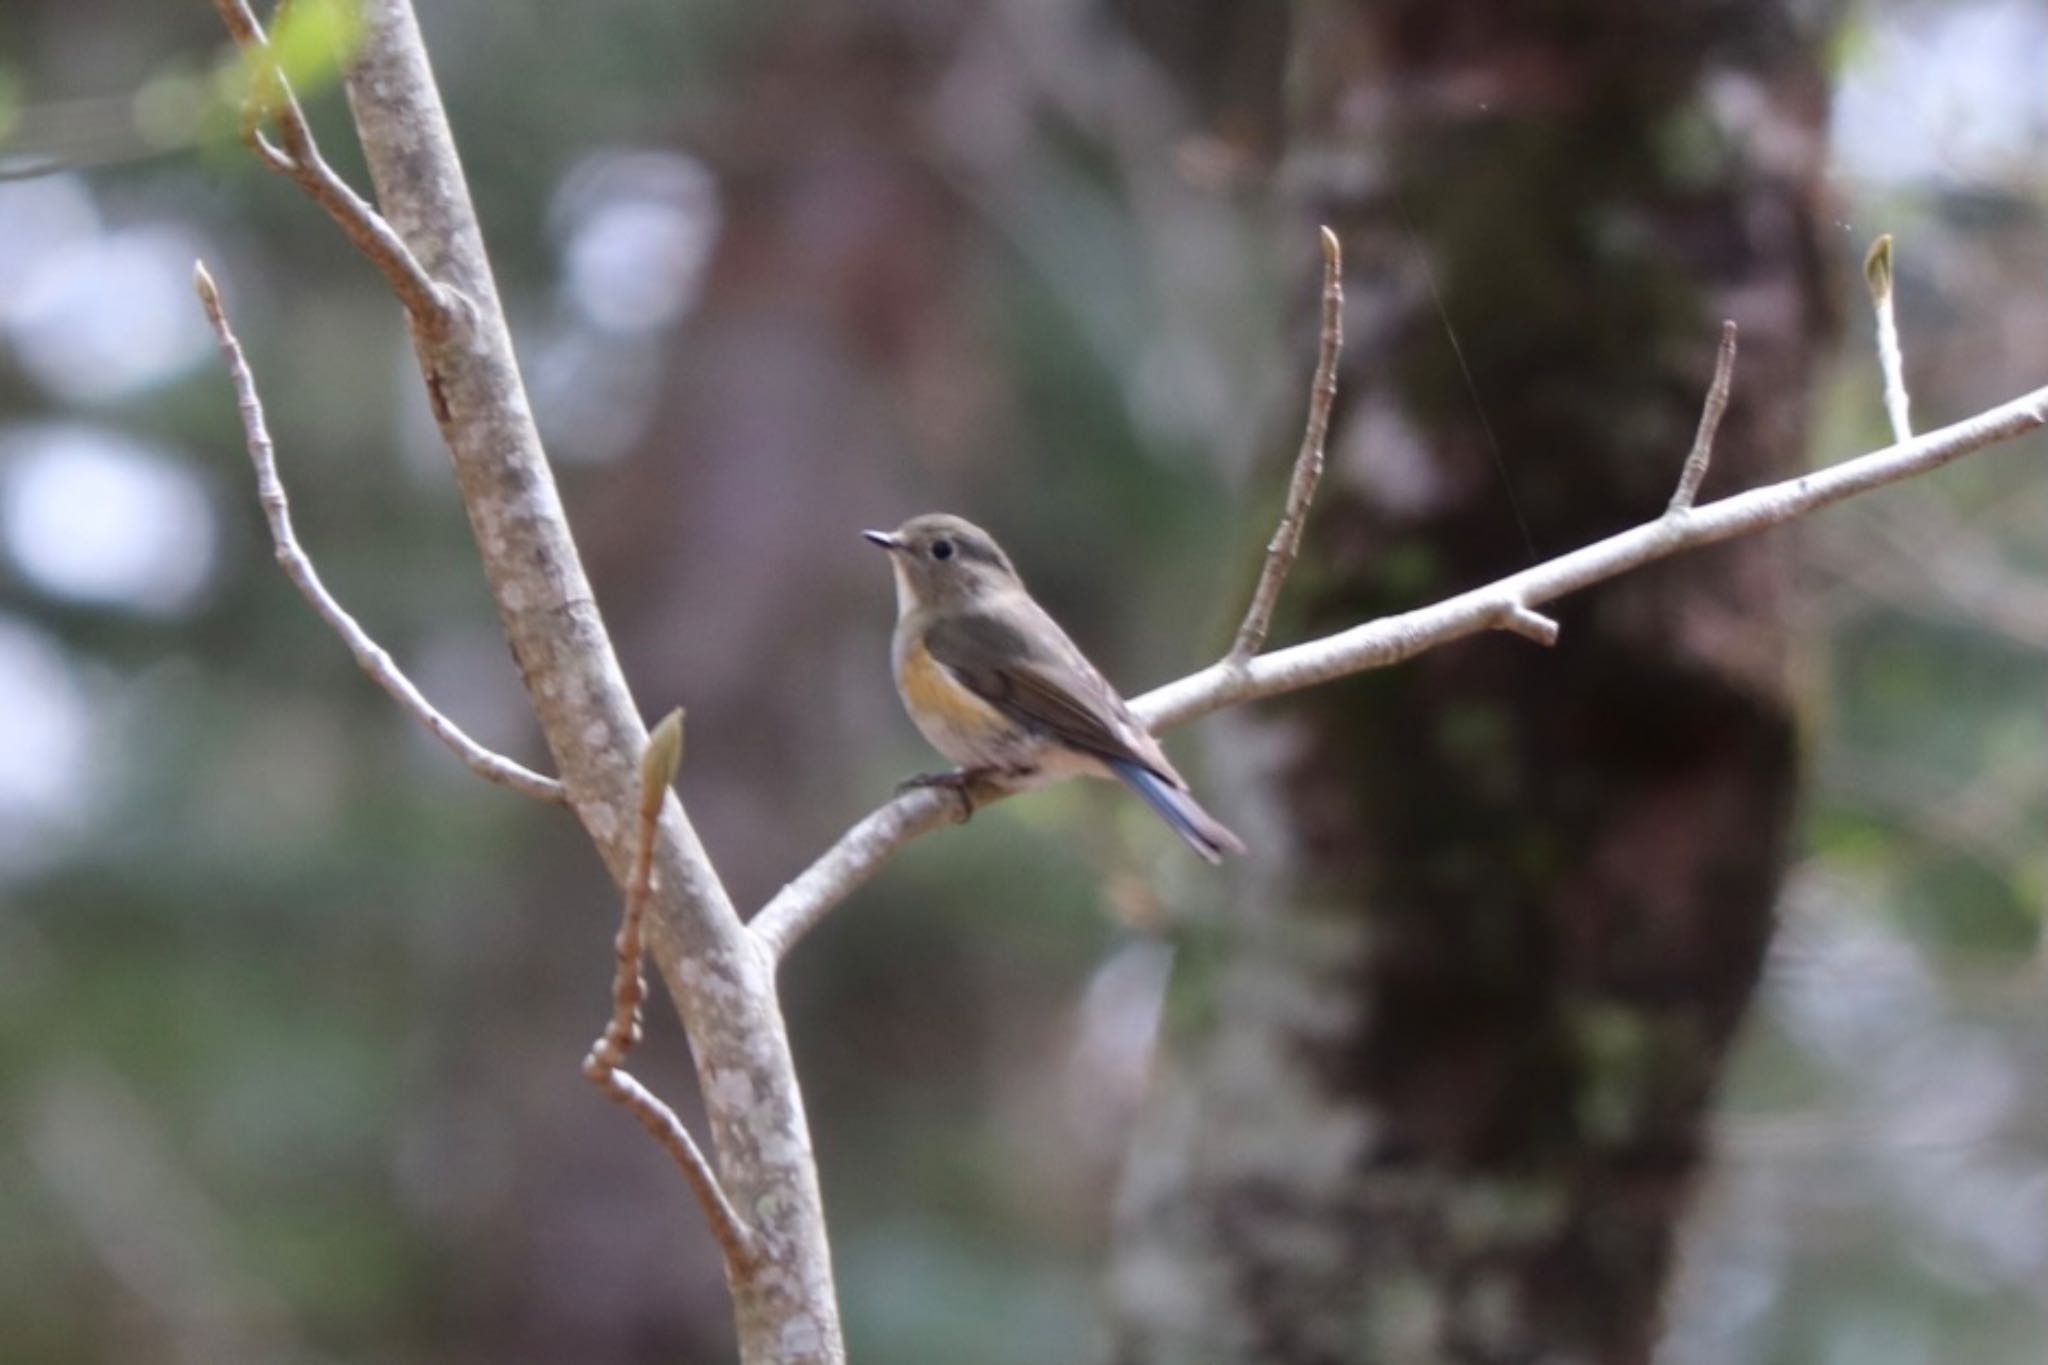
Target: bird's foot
<point>959,782</point>
<point>962,781</point>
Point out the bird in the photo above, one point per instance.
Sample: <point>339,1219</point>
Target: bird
<point>996,686</point>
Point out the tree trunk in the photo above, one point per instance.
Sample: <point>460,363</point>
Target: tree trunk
<point>1450,1100</point>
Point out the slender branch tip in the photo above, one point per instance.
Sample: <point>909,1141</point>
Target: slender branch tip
<point>1697,460</point>
<point>1285,545</point>
<point>370,656</point>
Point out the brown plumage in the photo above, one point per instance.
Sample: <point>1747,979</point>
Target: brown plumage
<point>995,684</point>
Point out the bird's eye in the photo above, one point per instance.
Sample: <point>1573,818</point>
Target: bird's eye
<point>942,549</point>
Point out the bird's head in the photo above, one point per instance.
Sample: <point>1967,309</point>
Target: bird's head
<point>943,561</point>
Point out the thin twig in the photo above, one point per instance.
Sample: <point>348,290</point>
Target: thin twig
<point>870,844</point>
<point>298,567</point>
<point>604,1066</point>
<point>736,1242</point>
<point>1877,273</point>
<point>1308,462</point>
<point>1520,619</point>
<point>1702,453</point>
<point>858,854</point>
<point>299,160</point>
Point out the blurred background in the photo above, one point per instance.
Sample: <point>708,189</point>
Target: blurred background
<point>1701,959</point>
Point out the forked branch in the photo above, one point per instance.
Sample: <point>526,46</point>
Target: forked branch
<point>722,984</point>
<point>1392,639</point>
<point>605,1065</point>
<point>299,160</point>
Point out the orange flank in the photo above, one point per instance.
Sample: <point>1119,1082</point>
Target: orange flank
<point>936,701</point>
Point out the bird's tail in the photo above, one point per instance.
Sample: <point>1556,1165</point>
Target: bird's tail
<point>1180,810</point>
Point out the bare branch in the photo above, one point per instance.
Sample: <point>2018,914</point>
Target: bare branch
<point>735,1240</point>
<point>1702,452</point>
<point>299,160</point>
<point>298,567</point>
<point>1392,639</point>
<point>722,984</point>
<point>859,854</point>
<point>604,1066</point>
<point>1308,462</point>
<point>1506,604</point>
<point>1530,625</point>
<point>1877,273</point>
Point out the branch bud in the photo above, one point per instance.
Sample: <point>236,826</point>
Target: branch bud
<point>658,765</point>
<point>1877,269</point>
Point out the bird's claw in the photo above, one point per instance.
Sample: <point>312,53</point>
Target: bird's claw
<point>960,782</point>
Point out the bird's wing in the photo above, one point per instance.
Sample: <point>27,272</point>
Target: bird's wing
<point>1037,676</point>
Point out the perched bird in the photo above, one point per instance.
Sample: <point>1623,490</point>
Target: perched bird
<point>996,686</point>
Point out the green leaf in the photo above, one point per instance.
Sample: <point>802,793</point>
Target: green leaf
<point>315,39</point>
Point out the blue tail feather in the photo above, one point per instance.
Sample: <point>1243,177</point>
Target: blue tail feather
<point>1179,809</point>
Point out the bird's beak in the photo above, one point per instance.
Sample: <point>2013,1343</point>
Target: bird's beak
<point>884,539</point>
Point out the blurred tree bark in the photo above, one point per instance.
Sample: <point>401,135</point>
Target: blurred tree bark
<point>1449,1100</point>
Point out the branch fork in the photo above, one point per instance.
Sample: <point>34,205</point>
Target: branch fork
<point>430,303</point>
<point>604,1066</point>
<point>778,1259</point>
<point>1520,619</point>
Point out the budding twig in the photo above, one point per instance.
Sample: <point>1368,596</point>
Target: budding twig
<point>1877,273</point>
<point>604,1066</point>
<point>629,986</point>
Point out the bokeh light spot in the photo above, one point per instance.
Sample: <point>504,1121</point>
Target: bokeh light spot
<point>636,230</point>
<point>94,516</point>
